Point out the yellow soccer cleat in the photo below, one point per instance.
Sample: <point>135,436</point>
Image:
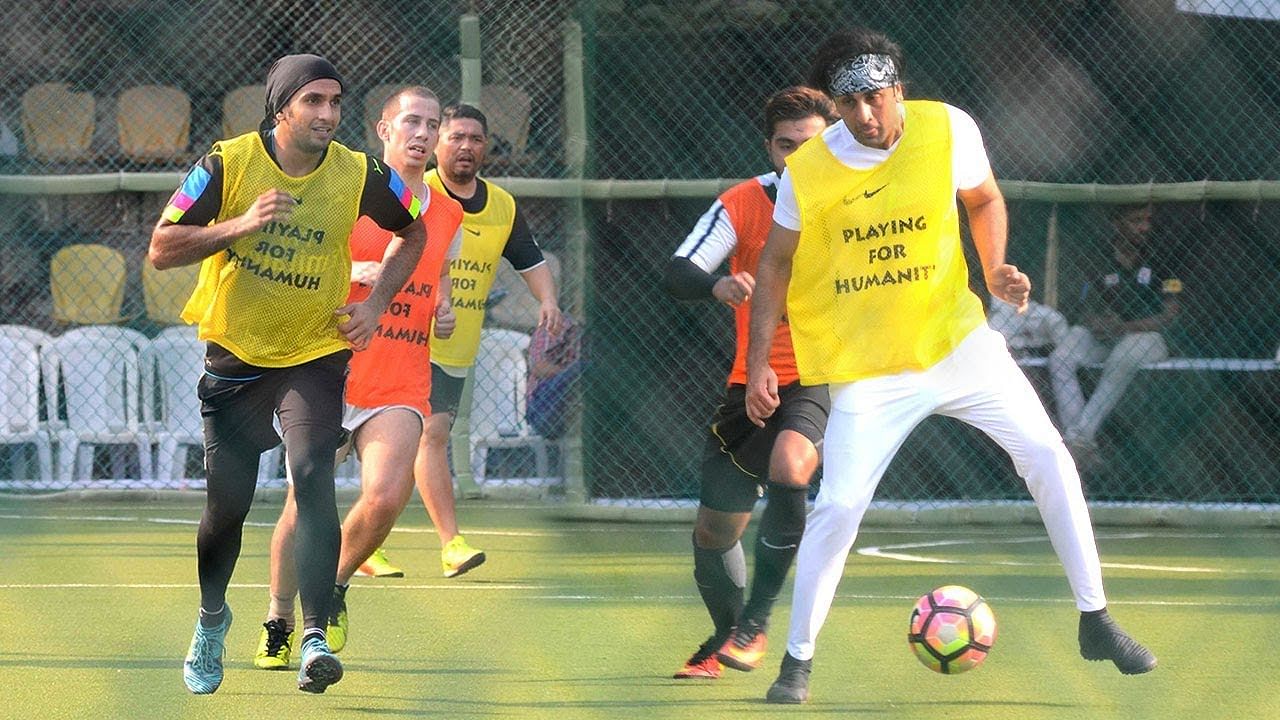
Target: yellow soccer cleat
<point>379,566</point>
<point>458,557</point>
<point>335,631</point>
<point>275,646</point>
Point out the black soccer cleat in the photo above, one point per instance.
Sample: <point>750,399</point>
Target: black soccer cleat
<point>1102,639</point>
<point>792,685</point>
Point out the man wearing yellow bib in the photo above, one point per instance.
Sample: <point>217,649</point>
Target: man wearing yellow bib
<point>865,255</point>
<point>268,214</point>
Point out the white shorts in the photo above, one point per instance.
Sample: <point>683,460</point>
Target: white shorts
<point>353,417</point>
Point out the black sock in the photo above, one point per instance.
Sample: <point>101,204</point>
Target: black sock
<point>721,576</point>
<point>777,540</point>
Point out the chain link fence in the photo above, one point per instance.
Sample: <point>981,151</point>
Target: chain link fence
<point>616,123</point>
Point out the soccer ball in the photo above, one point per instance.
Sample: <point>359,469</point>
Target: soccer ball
<point>952,629</point>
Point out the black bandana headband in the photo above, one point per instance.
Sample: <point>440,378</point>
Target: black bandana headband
<point>287,76</point>
<point>862,73</point>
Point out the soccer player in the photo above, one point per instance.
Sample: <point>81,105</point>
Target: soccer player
<point>742,461</point>
<point>269,213</point>
<point>493,228</point>
<point>388,387</point>
<point>865,253</point>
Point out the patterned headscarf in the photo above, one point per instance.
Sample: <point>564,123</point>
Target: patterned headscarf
<point>862,73</point>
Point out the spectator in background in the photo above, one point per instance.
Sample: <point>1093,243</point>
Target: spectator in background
<point>1033,333</point>
<point>555,365</point>
<point>1126,310</point>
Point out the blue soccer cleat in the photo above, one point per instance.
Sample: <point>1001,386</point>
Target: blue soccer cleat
<point>202,670</point>
<point>320,668</point>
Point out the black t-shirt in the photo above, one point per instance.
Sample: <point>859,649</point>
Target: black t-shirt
<point>521,250</point>
<point>1133,293</point>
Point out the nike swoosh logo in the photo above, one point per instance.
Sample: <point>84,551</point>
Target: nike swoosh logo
<point>867,194</point>
<point>473,232</point>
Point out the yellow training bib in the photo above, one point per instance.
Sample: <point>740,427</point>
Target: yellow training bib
<point>879,283</point>
<point>484,237</point>
<point>269,298</point>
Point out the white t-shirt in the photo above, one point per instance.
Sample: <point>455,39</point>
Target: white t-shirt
<point>969,164</point>
<point>713,238</point>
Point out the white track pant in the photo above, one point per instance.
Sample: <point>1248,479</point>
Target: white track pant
<point>978,383</point>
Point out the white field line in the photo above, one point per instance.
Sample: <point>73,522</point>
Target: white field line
<point>886,552</point>
<point>679,528</point>
<point>889,552</point>
<point>541,592</point>
<point>190,521</point>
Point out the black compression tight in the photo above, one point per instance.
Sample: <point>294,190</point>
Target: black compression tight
<point>317,536</point>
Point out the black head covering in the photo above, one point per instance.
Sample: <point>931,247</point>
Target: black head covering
<point>287,76</point>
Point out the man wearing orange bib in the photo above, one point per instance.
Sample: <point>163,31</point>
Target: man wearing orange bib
<point>742,462</point>
<point>389,385</point>
<point>494,229</point>
<point>865,255</point>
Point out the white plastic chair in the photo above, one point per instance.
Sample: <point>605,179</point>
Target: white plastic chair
<point>100,375</point>
<point>20,398</point>
<point>498,404</point>
<point>41,340</point>
<point>176,357</point>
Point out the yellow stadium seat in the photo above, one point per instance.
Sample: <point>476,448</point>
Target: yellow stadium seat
<point>57,123</point>
<point>87,282</point>
<point>165,292</point>
<point>154,123</point>
<point>242,110</point>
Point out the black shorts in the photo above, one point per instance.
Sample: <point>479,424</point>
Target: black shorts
<point>736,461</point>
<point>239,401</point>
<point>446,391</point>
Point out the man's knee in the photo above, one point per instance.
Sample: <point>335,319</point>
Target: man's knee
<point>1073,349</point>
<point>387,498</point>
<point>435,433</point>
<point>793,461</point>
<point>716,530</point>
<point>305,471</point>
<point>1143,347</point>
